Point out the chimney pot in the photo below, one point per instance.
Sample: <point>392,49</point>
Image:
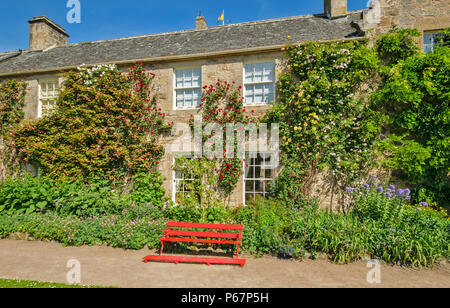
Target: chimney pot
<point>200,23</point>
<point>335,8</point>
<point>44,33</point>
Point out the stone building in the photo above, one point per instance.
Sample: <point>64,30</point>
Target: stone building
<point>248,53</point>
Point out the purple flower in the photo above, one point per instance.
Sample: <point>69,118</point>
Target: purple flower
<point>380,189</point>
<point>420,210</point>
<point>366,186</point>
<point>399,193</point>
<point>392,187</point>
<point>388,195</point>
<point>424,204</point>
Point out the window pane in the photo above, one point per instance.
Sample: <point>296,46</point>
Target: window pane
<point>428,39</point>
<point>249,96</point>
<point>196,77</point>
<point>250,186</point>
<point>259,71</point>
<point>249,71</point>
<point>428,48</point>
<point>269,74</point>
<point>258,93</point>
<point>269,93</point>
<point>197,96</point>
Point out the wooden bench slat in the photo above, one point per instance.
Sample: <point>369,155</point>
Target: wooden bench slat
<point>203,234</point>
<point>194,240</point>
<point>204,226</point>
<point>208,261</point>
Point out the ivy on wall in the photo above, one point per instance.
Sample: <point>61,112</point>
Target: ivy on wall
<point>12,101</point>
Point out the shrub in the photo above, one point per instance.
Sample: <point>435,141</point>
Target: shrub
<point>265,222</point>
<point>26,195</point>
<point>218,214</point>
<point>112,230</point>
<point>106,124</point>
<point>147,188</point>
<point>379,203</point>
<point>96,197</point>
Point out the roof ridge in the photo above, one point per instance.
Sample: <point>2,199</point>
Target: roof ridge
<point>273,20</point>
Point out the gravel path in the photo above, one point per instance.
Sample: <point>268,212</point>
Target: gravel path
<point>106,266</point>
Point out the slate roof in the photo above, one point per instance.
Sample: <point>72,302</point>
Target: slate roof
<point>190,42</point>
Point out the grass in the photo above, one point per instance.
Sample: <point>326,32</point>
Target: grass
<point>26,284</point>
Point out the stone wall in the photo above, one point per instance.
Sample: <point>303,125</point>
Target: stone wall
<point>423,15</point>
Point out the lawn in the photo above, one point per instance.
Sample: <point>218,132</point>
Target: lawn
<point>25,284</point>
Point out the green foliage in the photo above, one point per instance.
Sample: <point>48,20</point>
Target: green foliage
<point>97,197</point>
<point>265,222</point>
<point>12,101</point>
<point>397,45</point>
<point>218,214</point>
<point>325,122</point>
<point>343,107</point>
<point>222,104</point>
<point>380,204</point>
<point>26,284</point>
<point>105,125</point>
<point>148,189</point>
<point>377,227</point>
<point>116,231</point>
<point>415,95</point>
<point>26,195</point>
<point>12,95</point>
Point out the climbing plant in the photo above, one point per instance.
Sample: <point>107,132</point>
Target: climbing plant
<point>415,95</point>
<point>106,124</point>
<point>326,120</point>
<point>12,101</point>
<point>214,178</point>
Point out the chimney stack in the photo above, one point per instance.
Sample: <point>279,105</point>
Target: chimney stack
<point>200,23</point>
<point>335,8</point>
<point>44,34</point>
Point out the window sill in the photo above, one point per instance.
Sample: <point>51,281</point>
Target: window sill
<point>187,108</point>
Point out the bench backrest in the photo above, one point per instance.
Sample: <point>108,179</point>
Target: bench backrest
<point>204,226</point>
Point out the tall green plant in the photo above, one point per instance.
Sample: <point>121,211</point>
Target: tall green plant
<point>415,95</point>
<point>326,121</point>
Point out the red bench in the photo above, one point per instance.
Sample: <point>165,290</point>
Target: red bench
<point>191,236</point>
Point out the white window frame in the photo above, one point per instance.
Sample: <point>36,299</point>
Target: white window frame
<point>176,181</point>
<point>433,42</point>
<point>248,157</point>
<point>53,98</point>
<point>175,89</point>
<point>273,83</point>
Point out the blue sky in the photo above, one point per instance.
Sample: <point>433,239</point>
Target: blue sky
<point>108,19</point>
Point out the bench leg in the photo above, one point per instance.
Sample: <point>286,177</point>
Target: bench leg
<point>162,248</point>
<point>237,253</point>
